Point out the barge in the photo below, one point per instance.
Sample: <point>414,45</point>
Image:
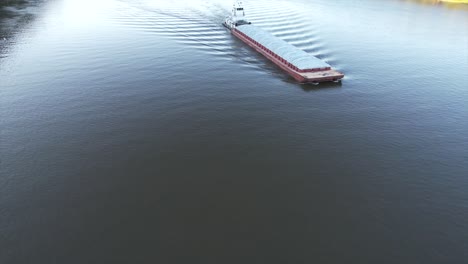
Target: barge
<point>301,65</point>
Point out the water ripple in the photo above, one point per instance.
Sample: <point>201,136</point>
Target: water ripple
<point>198,25</point>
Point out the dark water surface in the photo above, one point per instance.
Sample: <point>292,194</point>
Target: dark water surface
<point>140,131</point>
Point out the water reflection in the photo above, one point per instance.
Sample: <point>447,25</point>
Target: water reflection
<point>14,16</point>
<point>309,87</point>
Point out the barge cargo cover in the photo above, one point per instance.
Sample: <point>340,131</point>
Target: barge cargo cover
<point>297,57</point>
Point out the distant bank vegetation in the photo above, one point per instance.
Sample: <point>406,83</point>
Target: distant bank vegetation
<point>455,1</point>
<point>444,1</point>
<point>456,4</point>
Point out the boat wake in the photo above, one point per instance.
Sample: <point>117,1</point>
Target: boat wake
<point>197,24</point>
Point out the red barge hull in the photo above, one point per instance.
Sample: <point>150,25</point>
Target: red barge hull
<point>302,76</point>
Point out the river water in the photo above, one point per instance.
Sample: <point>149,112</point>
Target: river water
<point>140,131</point>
